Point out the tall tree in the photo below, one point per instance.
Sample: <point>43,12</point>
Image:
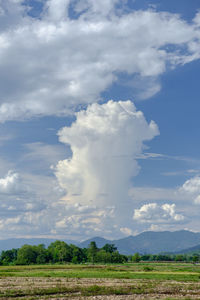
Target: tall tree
<point>92,252</point>
<point>59,251</point>
<point>26,255</point>
<point>8,256</point>
<point>109,248</point>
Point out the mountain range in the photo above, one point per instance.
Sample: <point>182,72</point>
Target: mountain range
<point>150,242</point>
<point>191,250</point>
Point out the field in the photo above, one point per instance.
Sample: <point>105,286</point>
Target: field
<point>128,281</point>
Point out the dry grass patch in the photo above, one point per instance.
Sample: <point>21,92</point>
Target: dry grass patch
<point>64,288</point>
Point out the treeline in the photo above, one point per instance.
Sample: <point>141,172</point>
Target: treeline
<point>61,252</point>
<point>195,257</point>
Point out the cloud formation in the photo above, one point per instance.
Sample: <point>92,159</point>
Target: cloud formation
<point>192,188</point>
<point>11,184</point>
<point>155,213</point>
<point>77,49</point>
<point>66,58</point>
<point>105,141</point>
<point>26,203</point>
<point>82,220</point>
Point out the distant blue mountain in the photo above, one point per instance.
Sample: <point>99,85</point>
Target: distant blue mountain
<point>151,242</point>
<point>192,250</point>
<point>147,242</point>
<point>100,242</point>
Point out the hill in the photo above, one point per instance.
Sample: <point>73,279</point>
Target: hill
<point>100,242</point>
<point>192,250</point>
<point>151,242</point>
<point>156,242</point>
<point>147,242</point>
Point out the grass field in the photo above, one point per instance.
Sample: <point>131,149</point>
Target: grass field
<point>128,281</point>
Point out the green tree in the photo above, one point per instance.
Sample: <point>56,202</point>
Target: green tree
<point>78,254</point>
<point>103,257</point>
<point>92,252</point>
<point>118,258</point>
<point>110,248</point>
<point>195,258</point>
<point>26,255</point>
<point>136,257</point>
<point>59,251</point>
<point>8,256</point>
<point>146,257</point>
<point>179,257</point>
<point>42,254</point>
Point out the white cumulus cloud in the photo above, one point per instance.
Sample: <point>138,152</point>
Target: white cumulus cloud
<point>155,213</point>
<point>126,231</point>
<point>192,188</point>
<point>105,141</point>
<point>11,183</point>
<point>51,64</point>
<point>192,185</point>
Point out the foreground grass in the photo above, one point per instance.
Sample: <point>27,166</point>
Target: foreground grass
<point>93,290</point>
<point>151,271</point>
<point>148,280</point>
<point>145,289</point>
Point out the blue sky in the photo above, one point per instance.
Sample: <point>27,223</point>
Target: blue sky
<point>99,117</point>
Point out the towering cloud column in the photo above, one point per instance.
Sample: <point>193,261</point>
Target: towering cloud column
<point>105,141</point>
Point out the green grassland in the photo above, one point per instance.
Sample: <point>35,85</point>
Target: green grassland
<point>178,280</point>
<point>157,271</point>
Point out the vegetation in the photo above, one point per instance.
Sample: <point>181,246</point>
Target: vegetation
<point>61,252</point>
<point>148,270</point>
<point>68,289</point>
<point>66,271</point>
<point>66,281</point>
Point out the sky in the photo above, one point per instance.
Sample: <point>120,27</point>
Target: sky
<point>99,117</point>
